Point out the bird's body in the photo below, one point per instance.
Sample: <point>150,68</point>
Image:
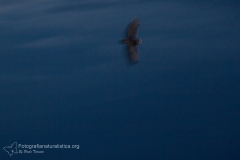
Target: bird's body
<point>133,40</point>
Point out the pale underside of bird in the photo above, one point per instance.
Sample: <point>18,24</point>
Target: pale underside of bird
<point>133,40</point>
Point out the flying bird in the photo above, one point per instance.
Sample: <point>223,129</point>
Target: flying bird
<point>133,40</point>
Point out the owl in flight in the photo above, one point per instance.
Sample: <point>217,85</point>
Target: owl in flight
<point>133,40</point>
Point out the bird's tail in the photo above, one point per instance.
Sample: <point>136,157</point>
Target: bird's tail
<point>126,40</point>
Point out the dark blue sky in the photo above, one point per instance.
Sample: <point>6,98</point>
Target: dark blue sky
<point>66,79</point>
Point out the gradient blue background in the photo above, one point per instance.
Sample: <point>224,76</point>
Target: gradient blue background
<point>65,79</point>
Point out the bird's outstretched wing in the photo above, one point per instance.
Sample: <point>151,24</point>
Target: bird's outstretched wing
<point>134,53</point>
<point>133,29</point>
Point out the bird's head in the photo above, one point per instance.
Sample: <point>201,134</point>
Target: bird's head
<point>139,41</point>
